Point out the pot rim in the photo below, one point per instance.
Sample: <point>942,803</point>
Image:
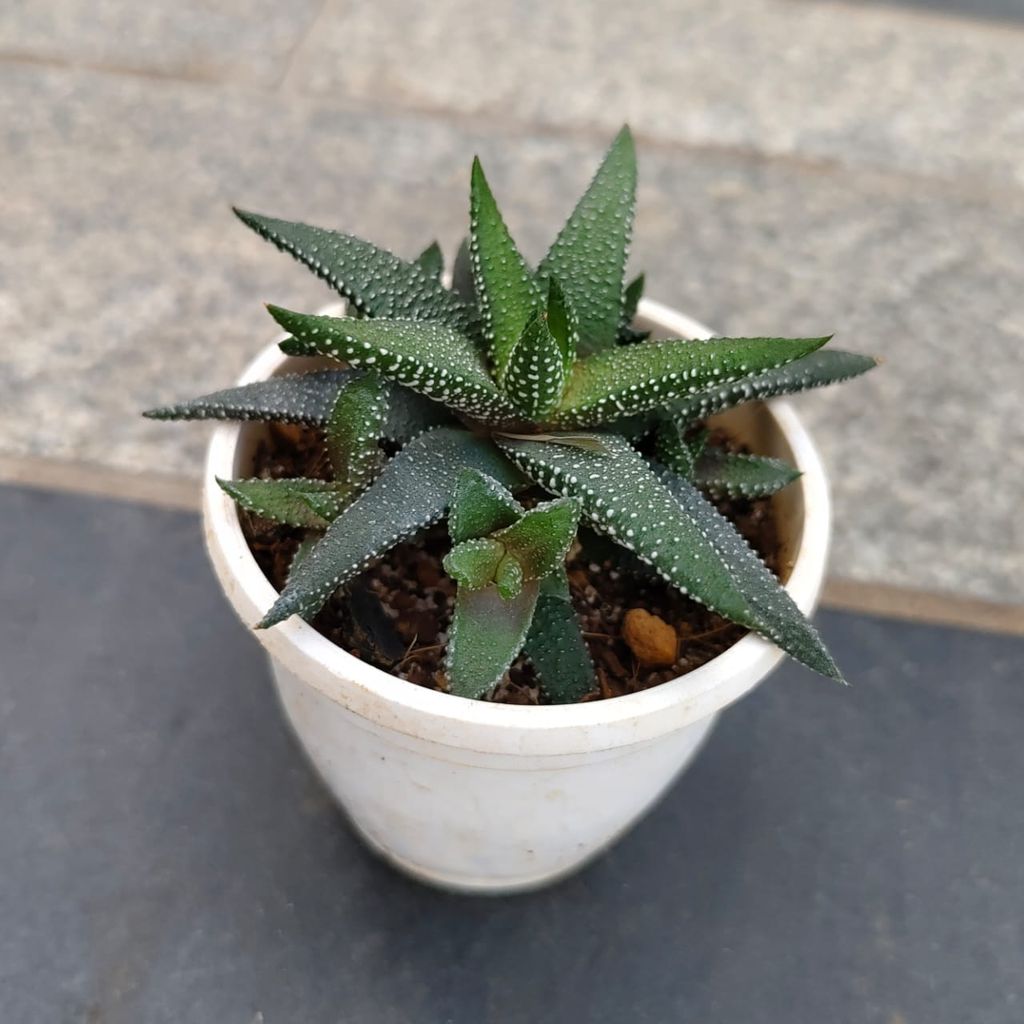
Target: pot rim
<point>396,704</point>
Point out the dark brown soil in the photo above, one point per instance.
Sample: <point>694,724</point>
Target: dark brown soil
<point>396,613</point>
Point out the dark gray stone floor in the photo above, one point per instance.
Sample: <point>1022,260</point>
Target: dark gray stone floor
<point>834,855</point>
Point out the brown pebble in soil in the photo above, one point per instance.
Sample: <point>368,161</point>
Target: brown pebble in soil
<point>651,639</point>
<point>417,596</point>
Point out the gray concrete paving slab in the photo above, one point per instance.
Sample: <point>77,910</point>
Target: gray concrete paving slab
<point>834,854</point>
<point>125,282</point>
<point>865,85</point>
<point>236,40</point>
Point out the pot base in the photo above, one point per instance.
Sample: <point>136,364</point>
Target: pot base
<point>484,828</point>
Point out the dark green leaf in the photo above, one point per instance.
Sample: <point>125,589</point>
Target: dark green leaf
<point>432,261</point>
<point>812,371</point>
<point>631,299</point>
<point>474,563</point>
<point>292,398</point>
<point>354,431</point>
<point>296,502</point>
<point>563,324</point>
<point>633,378</point>
<point>302,552</point>
<point>775,615</point>
<point>486,634</point>
<point>374,280</point>
<point>740,476</point>
<point>555,644</point>
<point>409,414</point>
<point>480,506</point>
<point>306,398</point>
<point>628,334</point>
<point>504,285</point>
<point>672,449</point>
<point>429,358</point>
<point>677,532</point>
<point>541,537</point>
<point>306,545</point>
<point>589,255</point>
<point>535,377</point>
<point>412,491</point>
<point>462,275</point>
<point>510,577</point>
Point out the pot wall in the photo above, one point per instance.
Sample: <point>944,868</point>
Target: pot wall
<point>494,798</point>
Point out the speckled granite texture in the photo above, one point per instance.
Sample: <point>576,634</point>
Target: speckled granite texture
<point>804,168</point>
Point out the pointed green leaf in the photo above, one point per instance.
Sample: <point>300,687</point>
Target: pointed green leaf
<point>633,378</point>
<point>589,255</point>
<point>412,491</point>
<point>462,275</point>
<point>631,299</point>
<point>510,577</point>
<point>556,646</point>
<point>672,449</point>
<point>741,476</point>
<point>535,377</point>
<point>698,442</point>
<point>563,323</point>
<point>812,371</point>
<point>427,357</point>
<point>487,632</point>
<point>628,334</point>
<point>302,552</point>
<point>408,414</point>
<point>480,506</point>
<point>296,502</point>
<point>775,615</point>
<point>677,532</point>
<point>432,261</point>
<point>306,398</point>
<point>541,537</point>
<point>374,280</point>
<point>293,398</point>
<point>474,563</point>
<point>504,285</point>
<point>354,431</point>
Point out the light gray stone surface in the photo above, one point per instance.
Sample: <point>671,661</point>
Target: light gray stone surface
<point>124,280</point>
<point>242,40</point>
<point>864,85</point>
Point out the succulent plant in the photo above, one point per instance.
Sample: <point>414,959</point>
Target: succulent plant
<point>516,377</point>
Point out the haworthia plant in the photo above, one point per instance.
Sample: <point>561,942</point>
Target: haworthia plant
<point>450,400</point>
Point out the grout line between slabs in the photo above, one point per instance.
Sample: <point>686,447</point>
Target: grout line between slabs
<point>174,492</point>
<point>182,493</point>
<point>912,605</point>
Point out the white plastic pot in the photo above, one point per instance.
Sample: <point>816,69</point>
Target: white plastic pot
<point>495,798</point>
